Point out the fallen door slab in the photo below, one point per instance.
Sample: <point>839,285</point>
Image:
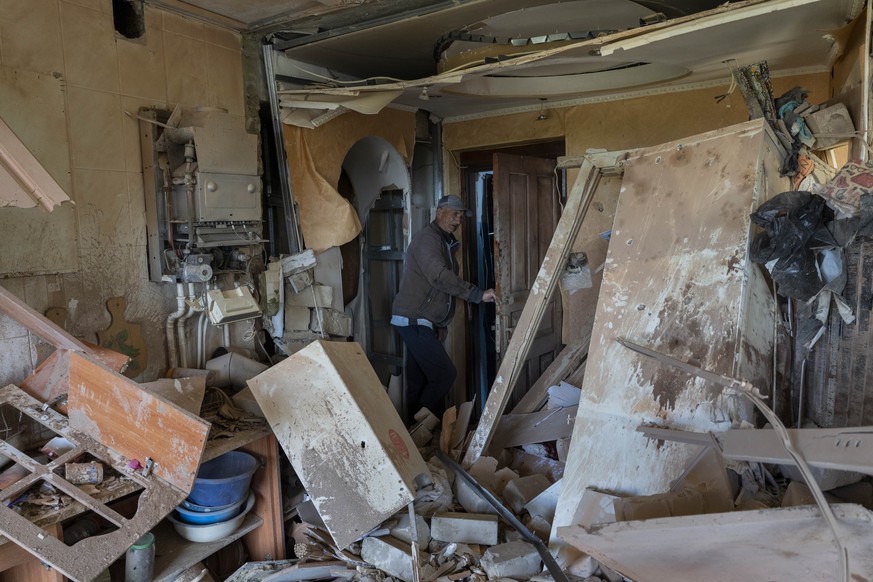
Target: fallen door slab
<point>678,279</point>
<point>341,433</point>
<point>792,543</point>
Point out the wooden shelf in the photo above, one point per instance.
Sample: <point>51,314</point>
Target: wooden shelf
<point>216,447</point>
<point>174,554</point>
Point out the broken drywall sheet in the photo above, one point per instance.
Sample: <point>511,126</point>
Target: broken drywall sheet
<point>345,440</point>
<point>769,544</point>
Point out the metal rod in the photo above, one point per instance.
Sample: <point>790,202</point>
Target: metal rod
<point>705,374</point>
<point>295,243</point>
<point>801,395</point>
<point>554,569</point>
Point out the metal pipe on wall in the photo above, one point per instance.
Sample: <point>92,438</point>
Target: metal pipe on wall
<point>171,325</point>
<point>181,327</point>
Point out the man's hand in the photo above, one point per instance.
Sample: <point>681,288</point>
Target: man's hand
<point>489,296</point>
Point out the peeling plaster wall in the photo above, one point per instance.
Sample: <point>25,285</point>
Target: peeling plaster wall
<point>315,159</point>
<point>62,61</point>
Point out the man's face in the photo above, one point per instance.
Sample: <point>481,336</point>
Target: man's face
<point>449,220</point>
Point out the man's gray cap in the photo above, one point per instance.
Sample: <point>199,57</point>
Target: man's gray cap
<point>453,202</point>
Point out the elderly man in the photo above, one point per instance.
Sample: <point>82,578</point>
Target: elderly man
<point>425,304</point>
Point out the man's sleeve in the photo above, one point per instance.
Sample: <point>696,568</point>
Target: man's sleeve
<point>438,272</point>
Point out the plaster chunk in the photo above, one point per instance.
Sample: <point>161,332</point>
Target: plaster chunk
<point>389,555</point>
<point>522,490</point>
<point>403,532</point>
<point>516,560</point>
<point>467,528</point>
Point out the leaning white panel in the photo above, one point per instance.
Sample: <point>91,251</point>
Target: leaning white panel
<point>341,433</point>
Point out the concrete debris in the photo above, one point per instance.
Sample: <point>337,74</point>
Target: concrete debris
<point>454,542</point>
<point>519,492</point>
<point>470,528</point>
<point>403,532</point>
<point>516,560</point>
<point>544,504</point>
<point>389,555</point>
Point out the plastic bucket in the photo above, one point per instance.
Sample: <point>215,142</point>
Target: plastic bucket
<point>224,480</point>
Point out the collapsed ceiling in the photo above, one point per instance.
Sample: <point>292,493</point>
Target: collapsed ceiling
<point>474,57</point>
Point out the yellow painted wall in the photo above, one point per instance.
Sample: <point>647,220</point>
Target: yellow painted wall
<point>66,82</point>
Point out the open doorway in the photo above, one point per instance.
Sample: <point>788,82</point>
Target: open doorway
<point>375,179</point>
<point>516,198</point>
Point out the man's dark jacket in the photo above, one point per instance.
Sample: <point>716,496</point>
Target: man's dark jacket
<point>430,279</point>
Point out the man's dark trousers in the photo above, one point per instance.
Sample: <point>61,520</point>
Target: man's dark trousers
<point>430,372</point>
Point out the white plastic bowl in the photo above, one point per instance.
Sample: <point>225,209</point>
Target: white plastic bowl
<point>212,531</point>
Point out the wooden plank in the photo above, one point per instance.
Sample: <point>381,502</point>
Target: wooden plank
<point>174,554</point>
<point>37,322</point>
<point>52,378</point>
<point>268,541</point>
<point>733,547</point>
<point>562,367</point>
<point>122,416</point>
<point>529,322</point>
<point>515,430</point>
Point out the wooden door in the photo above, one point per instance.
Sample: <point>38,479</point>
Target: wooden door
<point>526,211</point>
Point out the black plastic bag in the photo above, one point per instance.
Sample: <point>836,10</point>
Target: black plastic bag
<point>790,220</point>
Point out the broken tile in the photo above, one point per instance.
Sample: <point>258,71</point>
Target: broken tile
<point>470,528</point>
<point>563,395</point>
<point>502,477</point>
<point>330,321</point>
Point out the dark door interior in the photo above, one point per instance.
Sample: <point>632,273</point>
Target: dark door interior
<point>478,180</point>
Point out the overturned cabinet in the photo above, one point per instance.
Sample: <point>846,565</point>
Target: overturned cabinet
<point>346,442</point>
<point>678,279</point>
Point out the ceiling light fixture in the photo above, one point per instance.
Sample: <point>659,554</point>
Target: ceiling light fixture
<point>424,96</point>
<point>542,116</point>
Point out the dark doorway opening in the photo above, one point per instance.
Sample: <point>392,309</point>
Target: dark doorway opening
<point>478,182</point>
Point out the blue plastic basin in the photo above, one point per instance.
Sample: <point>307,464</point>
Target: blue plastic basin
<point>224,480</point>
<point>200,518</point>
<point>191,506</point>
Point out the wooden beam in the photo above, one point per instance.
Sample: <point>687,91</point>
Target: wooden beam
<point>541,293</point>
<point>565,364</point>
<point>267,542</point>
<point>37,322</point>
<point>515,430</point>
